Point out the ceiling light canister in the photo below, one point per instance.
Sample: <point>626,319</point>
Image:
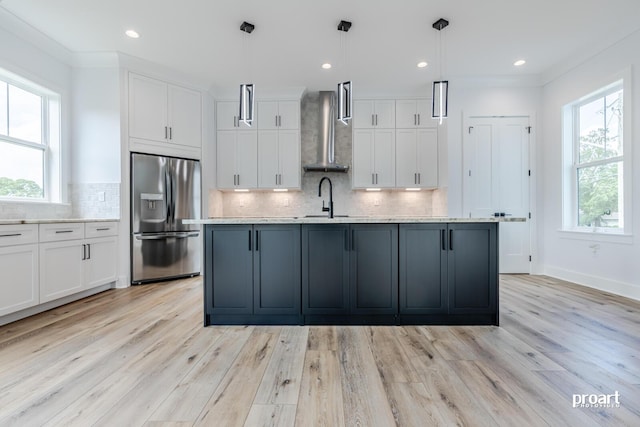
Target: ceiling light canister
<point>519,62</point>
<point>422,64</point>
<point>326,66</point>
<point>132,34</point>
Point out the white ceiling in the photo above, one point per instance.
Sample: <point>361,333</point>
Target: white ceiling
<point>201,38</point>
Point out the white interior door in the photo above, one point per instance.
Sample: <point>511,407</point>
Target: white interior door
<point>496,160</point>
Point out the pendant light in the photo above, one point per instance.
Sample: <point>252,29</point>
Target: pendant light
<point>440,88</point>
<point>345,98</point>
<point>247,90</point>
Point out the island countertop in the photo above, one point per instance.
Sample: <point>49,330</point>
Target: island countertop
<point>356,219</point>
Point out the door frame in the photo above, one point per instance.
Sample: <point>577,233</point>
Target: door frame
<point>535,264</point>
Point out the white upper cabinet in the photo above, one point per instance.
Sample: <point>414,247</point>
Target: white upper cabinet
<point>185,116</point>
<point>279,159</point>
<point>162,112</point>
<point>374,158</point>
<point>227,116</point>
<point>414,113</point>
<point>368,114</point>
<point>417,158</point>
<point>237,165</point>
<point>278,115</point>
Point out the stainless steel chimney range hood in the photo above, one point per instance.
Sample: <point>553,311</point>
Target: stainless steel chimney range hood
<point>326,141</point>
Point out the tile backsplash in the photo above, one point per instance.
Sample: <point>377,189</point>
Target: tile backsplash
<point>346,200</point>
<point>95,200</point>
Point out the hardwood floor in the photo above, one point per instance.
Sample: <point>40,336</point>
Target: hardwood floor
<point>141,357</point>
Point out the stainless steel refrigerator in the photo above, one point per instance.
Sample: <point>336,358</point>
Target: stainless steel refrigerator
<point>164,191</point>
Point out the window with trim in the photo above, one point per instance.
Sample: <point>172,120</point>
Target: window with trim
<point>596,176</point>
<point>29,140</point>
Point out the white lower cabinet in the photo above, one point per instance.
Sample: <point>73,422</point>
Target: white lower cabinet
<point>100,267</point>
<point>61,269</point>
<point>18,267</point>
<point>71,263</point>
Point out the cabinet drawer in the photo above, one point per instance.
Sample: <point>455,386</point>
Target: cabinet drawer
<point>57,232</point>
<point>99,229</point>
<point>18,234</point>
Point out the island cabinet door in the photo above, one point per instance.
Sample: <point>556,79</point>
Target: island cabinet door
<point>422,268</point>
<point>473,268</point>
<point>325,269</point>
<point>276,269</point>
<point>374,269</point>
<point>229,269</point>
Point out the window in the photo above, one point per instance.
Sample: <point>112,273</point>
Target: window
<point>29,140</point>
<point>596,179</point>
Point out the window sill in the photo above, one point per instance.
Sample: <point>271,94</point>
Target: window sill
<point>600,236</point>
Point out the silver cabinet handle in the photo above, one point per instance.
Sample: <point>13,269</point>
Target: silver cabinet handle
<point>276,121</point>
<point>170,132</point>
<point>415,119</point>
<point>88,251</point>
<point>376,120</point>
<point>63,231</point>
<point>373,178</point>
<point>84,252</point>
<point>11,235</point>
<point>103,229</point>
<point>419,178</point>
<point>165,132</point>
<point>418,119</point>
<point>372,120</point>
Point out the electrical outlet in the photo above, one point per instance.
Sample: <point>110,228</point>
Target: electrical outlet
<point>101,196</point>
<point>285,202</point>
<point>376,201</point>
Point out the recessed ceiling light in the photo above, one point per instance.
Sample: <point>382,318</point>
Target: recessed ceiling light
<point>422,64</point>
<point>519,62</point>
<point>326,65</point>
<point>132,34</point>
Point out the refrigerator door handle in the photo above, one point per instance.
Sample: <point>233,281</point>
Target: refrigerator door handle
<point>167,236</point>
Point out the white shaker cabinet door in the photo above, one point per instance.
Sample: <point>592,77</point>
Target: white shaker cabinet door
<point>100,266</point>
<point>268,169</point>
<point>147,108</point>
<point>185,116</point>
<point>18,278</point>
<point>61,269</point>
<point>247,159</point>
<point>226,159</point>
<point>289,158</point>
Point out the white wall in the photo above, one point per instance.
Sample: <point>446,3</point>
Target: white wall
<point>614,266</point>
<point>95,134</point>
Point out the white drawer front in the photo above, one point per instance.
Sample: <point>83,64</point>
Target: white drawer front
<point>57,232</point>
<point>99,229</point>
<point>18,234</point>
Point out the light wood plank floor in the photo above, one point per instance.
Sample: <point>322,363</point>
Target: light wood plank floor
<point>141,357</point>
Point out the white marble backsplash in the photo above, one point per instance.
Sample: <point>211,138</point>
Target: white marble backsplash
<point>86,200</point>
<point>346,201</point>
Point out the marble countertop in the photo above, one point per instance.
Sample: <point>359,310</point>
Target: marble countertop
<point>54,220</point>
<point>346,220</point>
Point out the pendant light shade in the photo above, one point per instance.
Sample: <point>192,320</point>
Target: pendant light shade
<point>345,101</point>
<point>247,90</point>
<point>440,100</point>
<point>440,88</point>
<point>246,104</point>
<point>345,93</point>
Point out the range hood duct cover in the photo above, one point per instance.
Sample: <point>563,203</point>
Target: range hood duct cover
<point>326,141</point>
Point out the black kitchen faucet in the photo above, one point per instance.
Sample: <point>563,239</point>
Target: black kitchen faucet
<point>330,207</point>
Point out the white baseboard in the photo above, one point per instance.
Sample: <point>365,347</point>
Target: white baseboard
<point>627,290</point>
<point>12,317</point>
<point>122,282</point>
